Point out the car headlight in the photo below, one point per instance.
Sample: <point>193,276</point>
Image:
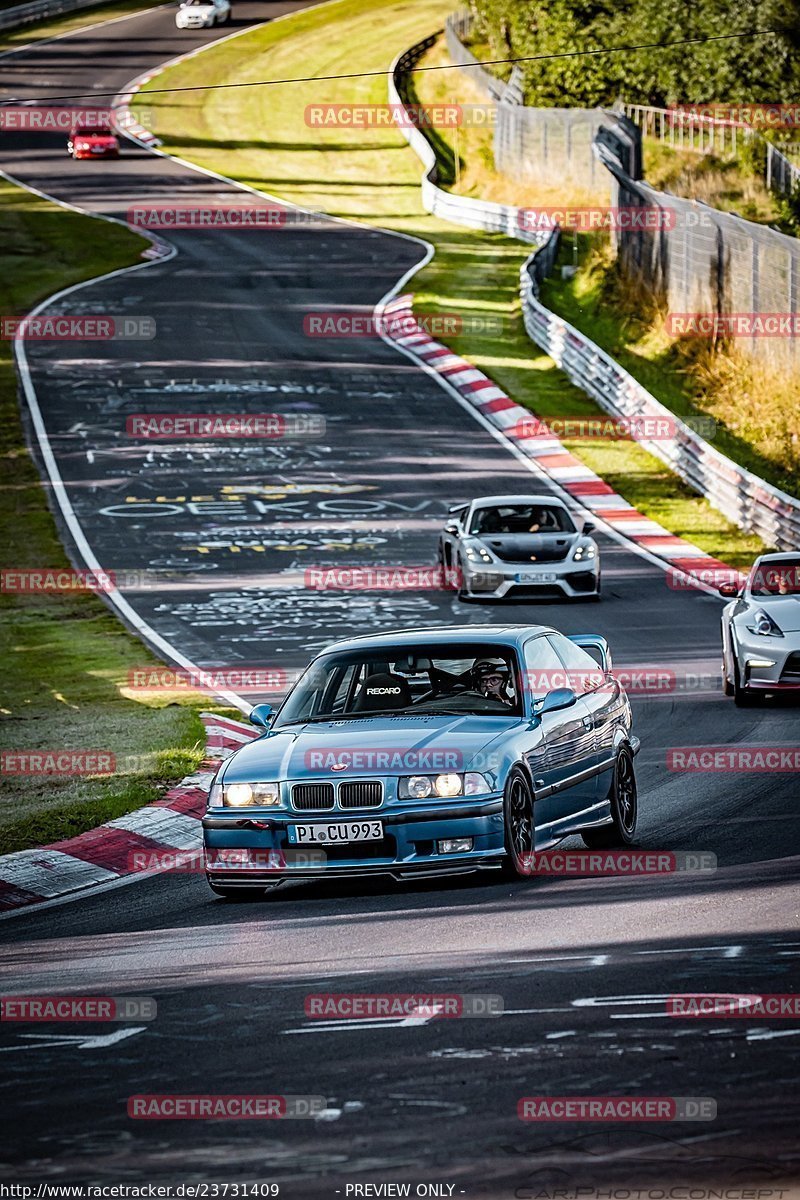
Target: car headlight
<point>478,553</point>
<point>764,624</point>
<point>584,551</point>
<point>420,787</point>
<point>240,795</point>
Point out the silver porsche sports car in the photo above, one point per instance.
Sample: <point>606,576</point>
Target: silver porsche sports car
<point>761,630</point>
<point>521,545</point>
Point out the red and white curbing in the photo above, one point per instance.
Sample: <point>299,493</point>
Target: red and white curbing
<point>549,453</point>
<point>104,854</point>
<point>124,119</point>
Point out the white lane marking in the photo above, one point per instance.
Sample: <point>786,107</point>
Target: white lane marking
<point>766,1035</point>
<point>553,1037</point>
<point>47,872</point>
<point>604,1001</point>
<point>42,1041</point>
<point>165,825</point>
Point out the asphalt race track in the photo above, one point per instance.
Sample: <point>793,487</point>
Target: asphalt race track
<point>583,966</point>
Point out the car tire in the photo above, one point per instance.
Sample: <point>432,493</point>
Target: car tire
<point>518,825</point>
<point>624,808</point>
<point>727,686</point>
<point>742,696</point>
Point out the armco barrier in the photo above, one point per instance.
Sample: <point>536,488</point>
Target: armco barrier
<point>38,10</point>
<point>739,495</point>
<point>461,210</point>
<point>742,497</point>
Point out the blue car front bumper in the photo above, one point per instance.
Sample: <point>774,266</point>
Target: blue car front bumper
<point>254,849</point>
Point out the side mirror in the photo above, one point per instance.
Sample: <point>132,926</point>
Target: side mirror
<point>262,715</point>
<point>451,527</point>
<point>588,527</point>
<point>729,590</point>
<point>557,699</point>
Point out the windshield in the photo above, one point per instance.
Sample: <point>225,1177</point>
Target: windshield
<point>521,518</point>
<point>776,578</point>
<point>401,680</point>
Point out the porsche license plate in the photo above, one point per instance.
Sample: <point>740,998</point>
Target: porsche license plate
<point>335,833</point>
<point>536,577</point>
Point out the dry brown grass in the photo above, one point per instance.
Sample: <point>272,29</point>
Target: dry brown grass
<point>472,145</point>
<point>721,181</point>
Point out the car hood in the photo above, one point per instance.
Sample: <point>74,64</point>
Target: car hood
<point>529,547</point>
<point>96,139</point>
<point>784,611</point>
<point>370,746</point>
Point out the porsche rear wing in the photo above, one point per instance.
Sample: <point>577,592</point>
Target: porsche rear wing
<point>596,645</point>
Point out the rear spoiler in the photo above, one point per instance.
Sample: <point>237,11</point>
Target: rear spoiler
<point>594,641</point>
<point>455,507</point>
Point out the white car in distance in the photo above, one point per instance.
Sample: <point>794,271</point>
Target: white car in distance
<point>202,14</point>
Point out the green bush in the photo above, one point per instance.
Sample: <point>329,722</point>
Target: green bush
<point>742,70</point>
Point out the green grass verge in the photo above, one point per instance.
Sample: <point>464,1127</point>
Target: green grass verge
<point>372,175</point>
<point>65,657</point>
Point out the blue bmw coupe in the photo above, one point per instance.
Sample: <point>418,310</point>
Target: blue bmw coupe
<point>428,752</point>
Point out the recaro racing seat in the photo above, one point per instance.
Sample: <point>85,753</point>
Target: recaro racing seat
<point>383,691</point>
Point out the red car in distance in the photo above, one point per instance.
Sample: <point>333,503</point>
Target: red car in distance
<point>93,143</point>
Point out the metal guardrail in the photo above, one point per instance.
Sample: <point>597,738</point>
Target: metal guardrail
<point>688,130</point>
<point>461,210</point>
<point>741,496</point>
<point>38,10</point>
<point>744,498</point>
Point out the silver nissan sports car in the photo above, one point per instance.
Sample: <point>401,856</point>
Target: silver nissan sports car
<point>761,630</point>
